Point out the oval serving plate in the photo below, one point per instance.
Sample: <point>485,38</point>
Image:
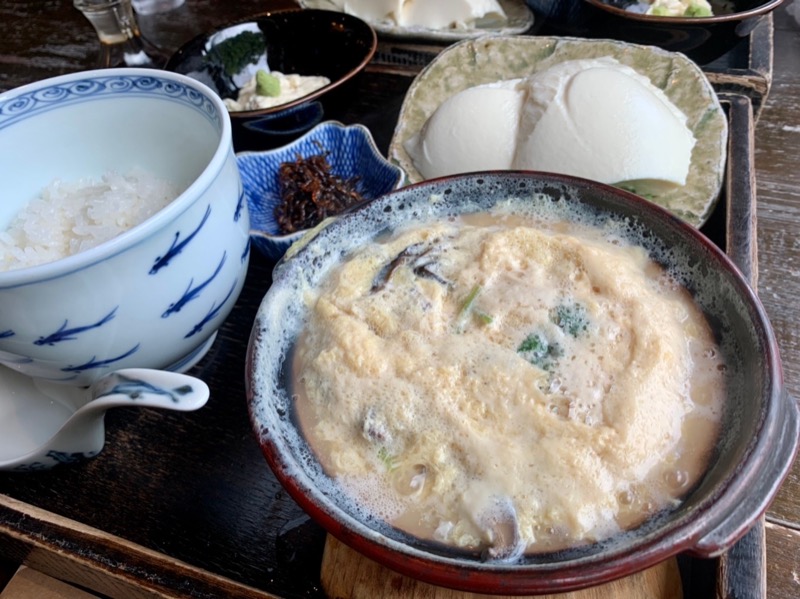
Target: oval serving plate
<point>492,58</point>
<point>519,20</point>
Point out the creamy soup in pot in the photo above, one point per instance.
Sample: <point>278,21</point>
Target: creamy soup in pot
<point>506,384</point>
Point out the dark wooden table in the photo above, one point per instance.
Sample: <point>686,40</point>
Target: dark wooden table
<point>777,159</point>
<point>184,504</point>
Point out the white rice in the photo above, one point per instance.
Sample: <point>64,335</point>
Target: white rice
<point>70,217</point>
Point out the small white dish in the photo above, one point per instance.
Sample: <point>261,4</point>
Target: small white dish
<point>44,424</point>
<point>519,20</point>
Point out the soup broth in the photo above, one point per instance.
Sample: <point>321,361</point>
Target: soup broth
<point>506,383</point>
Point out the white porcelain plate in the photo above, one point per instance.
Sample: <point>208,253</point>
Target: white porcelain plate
<point>31,412</point>
<point>519,19</point>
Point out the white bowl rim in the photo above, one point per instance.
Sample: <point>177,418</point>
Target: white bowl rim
<point>136,234</point>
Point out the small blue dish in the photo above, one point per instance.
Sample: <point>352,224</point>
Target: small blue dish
<point>351,152</point>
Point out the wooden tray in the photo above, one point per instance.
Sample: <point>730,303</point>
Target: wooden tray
<point>747,69</point>
<point>184,505</point>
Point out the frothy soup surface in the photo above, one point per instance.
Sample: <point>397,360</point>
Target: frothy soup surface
<point>507,383</point>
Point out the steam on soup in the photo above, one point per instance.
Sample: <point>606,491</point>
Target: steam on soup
<point>508,383</point>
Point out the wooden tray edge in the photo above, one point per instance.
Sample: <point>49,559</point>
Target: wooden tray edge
<point>741,571</point>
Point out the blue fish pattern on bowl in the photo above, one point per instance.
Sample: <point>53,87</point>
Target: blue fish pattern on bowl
<point>212,312</point>
<point>94,362</point>
<point>55,458</point>
<point>76,319</point>
<point>193,290</point>
<point>68,334</point>
<point>351,152</point>
<point>178,244</point>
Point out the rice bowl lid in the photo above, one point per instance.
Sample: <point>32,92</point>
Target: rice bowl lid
<point>711,518</point>
<point>103,85</point>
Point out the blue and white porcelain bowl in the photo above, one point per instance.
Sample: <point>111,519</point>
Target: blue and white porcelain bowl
<point>155,295</point>
<point>351,152</point>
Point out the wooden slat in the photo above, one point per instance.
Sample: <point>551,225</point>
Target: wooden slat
<point>783,562</point>
<point>777,151</point>
<point>110,565</point>
<point>28,583</point>
<point>346,573</point>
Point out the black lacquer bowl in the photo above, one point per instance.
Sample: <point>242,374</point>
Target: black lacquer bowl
<point>703,39</point>
<point>306,42</point>
<point>760,423</point>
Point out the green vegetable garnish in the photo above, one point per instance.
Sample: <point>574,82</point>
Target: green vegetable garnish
<point>267,84</point>
<point>644,194</point>
<point>538,351</point>
<point>469,300</point>
<point>571,318</point>
<point>238,51</point>
<point>697,11</point>
<point>694,8</point>
<point>466,308</point>
<point>483,317</point>
<point>386,458</point>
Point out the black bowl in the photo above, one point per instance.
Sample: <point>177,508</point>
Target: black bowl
<point>307,42</point>
<point>760,426</point>
<point>703,39</point>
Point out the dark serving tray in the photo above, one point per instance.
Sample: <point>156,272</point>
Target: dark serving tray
<point>185,505</point>
<point>747,68</point>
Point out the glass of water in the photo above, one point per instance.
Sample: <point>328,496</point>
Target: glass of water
<point>151,7</point>
<point>121,42</point>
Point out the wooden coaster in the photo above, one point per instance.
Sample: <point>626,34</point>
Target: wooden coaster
<point>347,573</point>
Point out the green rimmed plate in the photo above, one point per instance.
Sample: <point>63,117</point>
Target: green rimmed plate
<point>492,58</point>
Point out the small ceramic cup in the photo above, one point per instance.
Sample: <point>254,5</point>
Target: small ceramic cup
<point>155,295</point>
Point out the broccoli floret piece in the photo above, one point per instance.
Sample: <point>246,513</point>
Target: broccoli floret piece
<point>537,350</point>
<point>238,51</point>
<point>571,318</point>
